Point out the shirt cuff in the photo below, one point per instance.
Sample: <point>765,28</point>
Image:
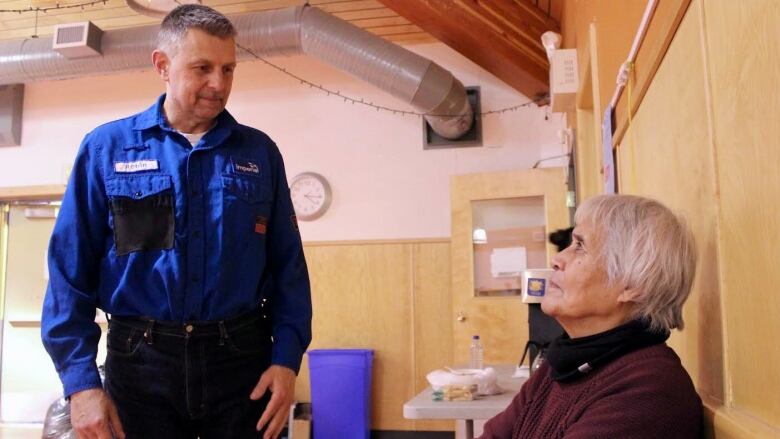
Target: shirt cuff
<point>288,351</point>
<point>80,377</point>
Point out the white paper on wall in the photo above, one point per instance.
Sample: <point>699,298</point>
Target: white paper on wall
<point>508,261</point>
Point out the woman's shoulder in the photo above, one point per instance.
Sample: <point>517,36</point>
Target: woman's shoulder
<point>644,394</point>
<point>654,370</point>
<point>653,361</point>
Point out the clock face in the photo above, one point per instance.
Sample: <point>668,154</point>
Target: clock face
<point>310,195</point>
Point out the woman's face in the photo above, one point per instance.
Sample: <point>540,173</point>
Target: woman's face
<point>580,297</point>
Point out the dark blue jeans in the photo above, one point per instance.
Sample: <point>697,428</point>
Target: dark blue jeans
<point>187,381</point>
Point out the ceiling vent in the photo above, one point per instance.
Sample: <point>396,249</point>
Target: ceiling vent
<point>77,40</point>
<point>472,137</point>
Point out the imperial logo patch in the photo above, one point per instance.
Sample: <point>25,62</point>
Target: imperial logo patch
<point>261,225</point>
<point>536,286</point>
<point>136,166</point>
<point>245,167</point>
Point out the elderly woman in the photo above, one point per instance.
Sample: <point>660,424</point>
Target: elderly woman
<point>618,291</point>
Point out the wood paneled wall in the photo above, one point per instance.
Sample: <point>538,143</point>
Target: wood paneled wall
<point>742,44</point>
<point>675,148</point>
<point>616,22</point>
<point>588,182</point>
<point>393,297</point>
<point>703,142</point>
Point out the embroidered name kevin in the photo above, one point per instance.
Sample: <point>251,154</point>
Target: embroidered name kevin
<point>137,166</point>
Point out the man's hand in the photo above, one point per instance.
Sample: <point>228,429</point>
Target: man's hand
<point>281,381</point>
<point>93,415</point>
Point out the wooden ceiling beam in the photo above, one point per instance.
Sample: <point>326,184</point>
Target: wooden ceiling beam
<point>370,15</point>
<point>529,10</point>
<point>501,36</point>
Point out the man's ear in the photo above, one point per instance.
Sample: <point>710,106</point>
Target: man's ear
<point>161,63</point>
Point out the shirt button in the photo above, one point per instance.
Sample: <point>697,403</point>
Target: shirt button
<point>188,328</point>
<point>195,193</point>
<point>196,234</point>
<point>195,279</point>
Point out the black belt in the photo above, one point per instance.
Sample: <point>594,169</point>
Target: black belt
<point>190,328</point>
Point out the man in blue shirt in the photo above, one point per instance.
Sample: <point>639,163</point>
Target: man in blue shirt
<point>178,223</point>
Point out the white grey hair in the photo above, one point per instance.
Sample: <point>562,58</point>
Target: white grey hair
<point>182,18</point>
<point>647,248</point>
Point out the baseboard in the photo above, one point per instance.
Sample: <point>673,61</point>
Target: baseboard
<point>731,423</point>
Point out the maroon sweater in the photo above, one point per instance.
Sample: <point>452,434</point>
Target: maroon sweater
<point>643,394</point>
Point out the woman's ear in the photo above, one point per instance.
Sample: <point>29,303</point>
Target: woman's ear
<point>628,295</point>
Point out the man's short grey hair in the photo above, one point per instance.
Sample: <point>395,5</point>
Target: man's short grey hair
<point>175,25</point>
<point>645,247</point>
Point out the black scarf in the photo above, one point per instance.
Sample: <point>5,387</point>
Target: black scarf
<point>572,358</point>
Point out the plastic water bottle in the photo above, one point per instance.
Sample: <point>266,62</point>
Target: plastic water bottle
<point>476,354</point>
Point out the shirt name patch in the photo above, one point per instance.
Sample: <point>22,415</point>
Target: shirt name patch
<point>245,167</point>
<point>137,166</point>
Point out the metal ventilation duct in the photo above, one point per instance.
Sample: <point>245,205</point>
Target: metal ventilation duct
<point>303,29</point>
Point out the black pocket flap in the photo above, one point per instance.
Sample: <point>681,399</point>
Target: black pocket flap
<point>139,186</point>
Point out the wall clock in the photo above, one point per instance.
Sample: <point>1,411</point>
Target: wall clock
<point>311,195</point>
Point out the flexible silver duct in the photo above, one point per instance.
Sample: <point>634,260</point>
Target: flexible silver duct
<point>419,81</point>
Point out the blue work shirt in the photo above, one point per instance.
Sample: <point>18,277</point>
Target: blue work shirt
<point>152,226</point>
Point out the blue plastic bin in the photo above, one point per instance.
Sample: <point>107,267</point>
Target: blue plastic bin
<point>341,393</point>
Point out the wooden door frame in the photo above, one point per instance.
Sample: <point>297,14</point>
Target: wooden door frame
<point>32,193</point>
<point>549,183</point>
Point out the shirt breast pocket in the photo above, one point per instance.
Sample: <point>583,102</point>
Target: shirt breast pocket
<point>247,206</point>
<point>142,208</point>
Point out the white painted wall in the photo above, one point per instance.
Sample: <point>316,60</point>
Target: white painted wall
<point>385,185</point>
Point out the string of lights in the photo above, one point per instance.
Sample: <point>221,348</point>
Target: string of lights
<point>57,6</point>
<point>377,107</point>
<point>282,70</point>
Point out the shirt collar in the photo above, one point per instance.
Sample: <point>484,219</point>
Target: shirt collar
<point>155,116</point>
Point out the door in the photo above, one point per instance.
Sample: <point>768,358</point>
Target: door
<point>500,223</point>
<point>28,380</point>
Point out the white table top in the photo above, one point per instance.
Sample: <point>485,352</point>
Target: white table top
<point>423,406</point>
